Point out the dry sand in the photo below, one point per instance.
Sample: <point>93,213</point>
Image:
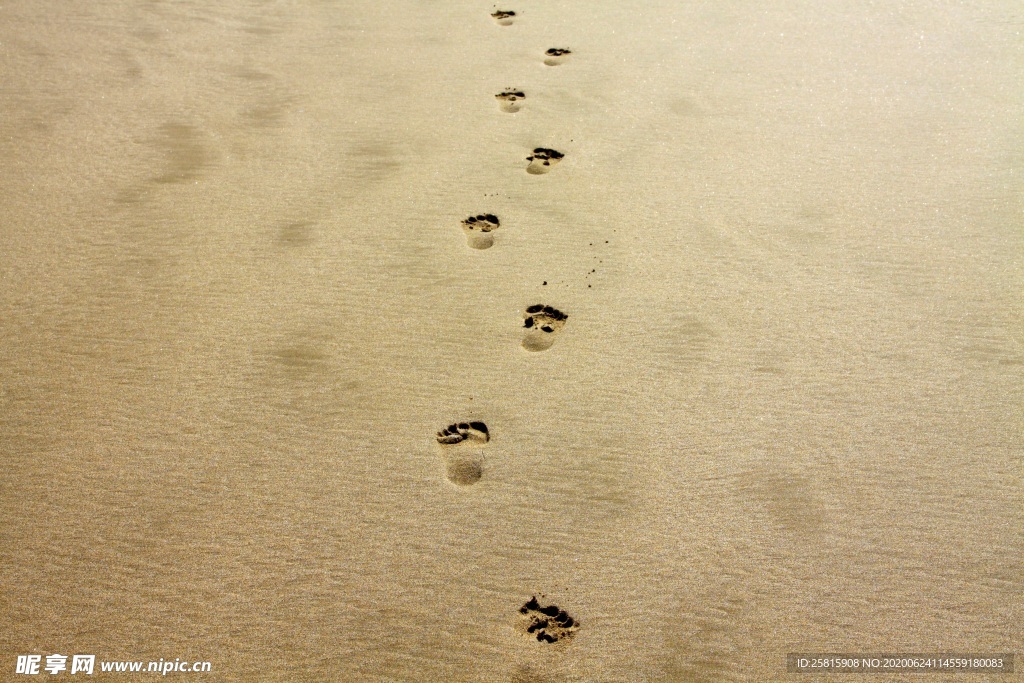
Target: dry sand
<point>784,413</point>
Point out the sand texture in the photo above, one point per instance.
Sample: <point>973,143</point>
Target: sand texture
<point>247,328</point>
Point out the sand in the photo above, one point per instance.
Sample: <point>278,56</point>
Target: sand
<point>238,302</point>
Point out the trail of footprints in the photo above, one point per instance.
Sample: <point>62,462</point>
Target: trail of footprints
<point>463,444</point>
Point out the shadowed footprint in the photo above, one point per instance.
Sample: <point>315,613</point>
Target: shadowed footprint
<point>504,17</point>
<point>525,674</point>
<point>510,101</point>
<point>556,56</point>
<point>187,156</point>
<point>542,160</point>
<point>297,234</point>
<point>542,324</point>
<point>460,444</point>
<point>547,623</point>
<point>479,228</point>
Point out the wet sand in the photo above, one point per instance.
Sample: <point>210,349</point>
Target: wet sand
<point>241,298</point>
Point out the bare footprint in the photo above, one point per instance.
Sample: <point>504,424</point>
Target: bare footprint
<point>543,323</point>
<point>547,623</point>
<point>504,17</point>
<point>479,228</point>
<point>510,101</point>
<point>556,56</point>
<point>542,160</point>
<point>460,444</point>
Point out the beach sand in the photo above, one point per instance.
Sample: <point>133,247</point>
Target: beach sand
<point>783,413</point>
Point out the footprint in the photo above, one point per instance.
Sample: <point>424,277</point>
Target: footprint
<point>297,234</point>
<point>186,154</point>
<point>460,444</point>
<point>504,17</point>
<point>548,624</point>
<point>510,101</point>
<point>543,323</point>
<point>462,431</point>
<point>542,160</point>
<point>556,56</point>
<point>479,228</point>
